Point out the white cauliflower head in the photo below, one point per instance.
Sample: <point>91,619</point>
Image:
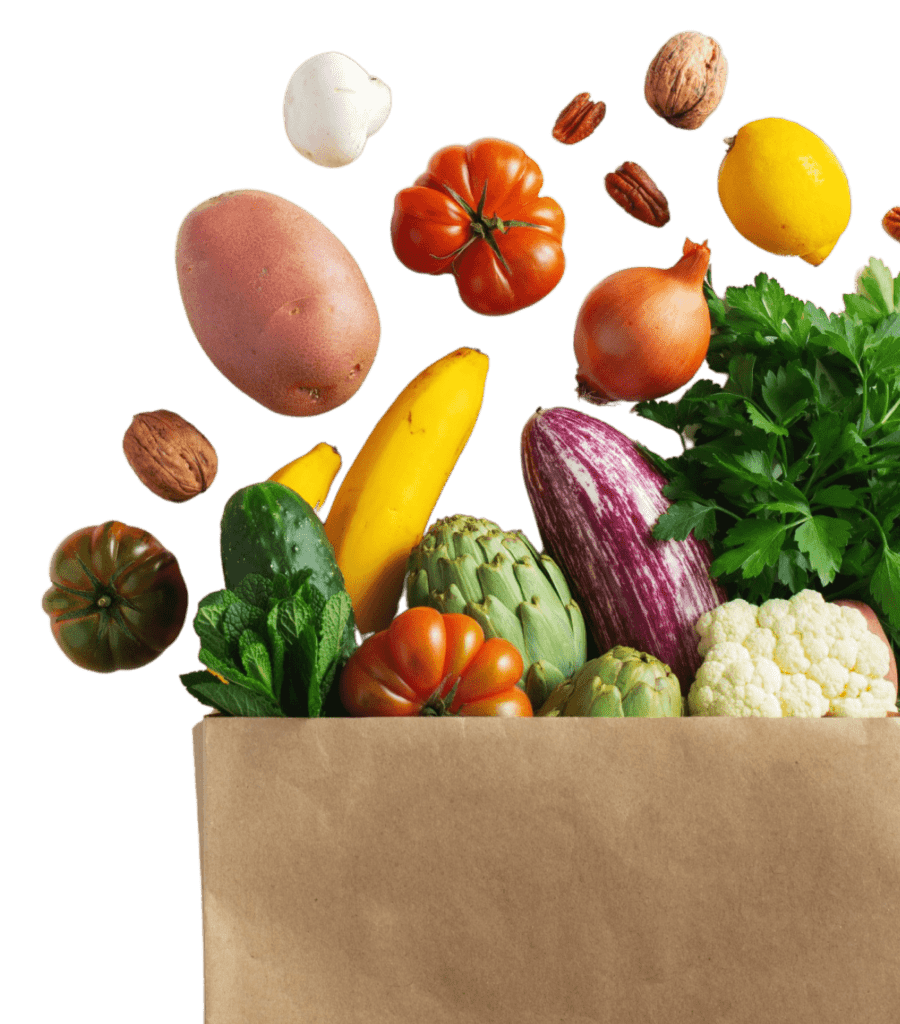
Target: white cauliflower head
<point>799,657</point>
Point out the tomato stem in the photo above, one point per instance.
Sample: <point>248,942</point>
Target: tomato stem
<point>439,702</point>
<point>483,228</point>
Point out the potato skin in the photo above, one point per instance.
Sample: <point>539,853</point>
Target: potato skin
<point>276,301</point>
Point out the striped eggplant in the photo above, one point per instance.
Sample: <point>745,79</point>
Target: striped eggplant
<point>596,499</point>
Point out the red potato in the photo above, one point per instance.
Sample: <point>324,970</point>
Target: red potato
<point>277,302</point>
<point>876,628</point>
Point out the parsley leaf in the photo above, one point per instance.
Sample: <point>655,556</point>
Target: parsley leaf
<point>791,468</point>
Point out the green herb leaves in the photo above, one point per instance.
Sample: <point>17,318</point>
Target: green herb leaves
<point>790,469</point>
<point>274,642</point>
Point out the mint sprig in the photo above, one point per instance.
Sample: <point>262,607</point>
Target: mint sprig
<point>273,646</point>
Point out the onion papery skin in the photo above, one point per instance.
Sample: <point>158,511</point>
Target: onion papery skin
<point>643,332</point>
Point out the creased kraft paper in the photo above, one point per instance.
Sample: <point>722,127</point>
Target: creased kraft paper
<point>541,871</point>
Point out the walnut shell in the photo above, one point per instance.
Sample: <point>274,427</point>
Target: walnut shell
<point>169,455</point>
<point>686,79</point>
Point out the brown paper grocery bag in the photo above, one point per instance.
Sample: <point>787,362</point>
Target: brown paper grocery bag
<point>542,871</point>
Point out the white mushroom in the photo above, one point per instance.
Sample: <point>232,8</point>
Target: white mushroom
<point>331,107</point>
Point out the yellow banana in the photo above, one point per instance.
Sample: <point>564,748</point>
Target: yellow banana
<point>312,474</point>
<point>383,505</point>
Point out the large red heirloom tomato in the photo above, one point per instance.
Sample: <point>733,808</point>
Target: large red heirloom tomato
<point>117,599</point>
<point>426,663</point>
<point>476,213</point>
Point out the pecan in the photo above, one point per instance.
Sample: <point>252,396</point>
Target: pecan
<point>891,223</point>
<point>577,120</point>
<point>686,79</point>
<point>169,455</point>
<point>635,191</point>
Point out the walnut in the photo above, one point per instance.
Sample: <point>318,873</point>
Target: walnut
<point>170,456</point>
<point>686,79</point>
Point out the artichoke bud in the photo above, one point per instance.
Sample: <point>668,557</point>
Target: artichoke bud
<point>504,584</point>
<point>623,682</point>
<point>498,579</point>
<point>541,680</point>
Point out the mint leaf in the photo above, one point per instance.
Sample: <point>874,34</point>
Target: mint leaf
<point>256,591</point>
<point>232,700</point>
<point>683,518</point>
<point>332,623</point>
<point>277,647</point>
<point>255,658</point>
<point>823,539</point>
<point>240,616</point>
<point>233,674</point>
<point>208,620</point>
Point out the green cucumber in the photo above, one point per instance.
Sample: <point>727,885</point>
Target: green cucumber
<point>267,528</point>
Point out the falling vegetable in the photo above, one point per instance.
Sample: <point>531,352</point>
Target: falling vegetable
<point>476,212</point>
<point>117,598</point>
<point>643,332</point>
<point>331,107</point>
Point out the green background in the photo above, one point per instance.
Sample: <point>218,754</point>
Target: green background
<point>121,122</point>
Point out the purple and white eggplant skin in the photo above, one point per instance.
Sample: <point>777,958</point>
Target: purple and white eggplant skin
<point>596,500</point>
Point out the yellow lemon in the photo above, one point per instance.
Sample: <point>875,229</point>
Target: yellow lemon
<point>784,190</point>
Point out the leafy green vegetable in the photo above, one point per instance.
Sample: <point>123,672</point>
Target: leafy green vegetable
<point>277,643</point>
<point>233,700</point>
<point>790,469</point>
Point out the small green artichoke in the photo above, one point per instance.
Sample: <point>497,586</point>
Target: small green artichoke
<point>623,683</point>
<point>470,565</point>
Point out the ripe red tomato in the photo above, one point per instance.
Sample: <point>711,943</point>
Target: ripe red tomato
<point>426,663</point>
<point>476,213</point>
<point>117,599</point>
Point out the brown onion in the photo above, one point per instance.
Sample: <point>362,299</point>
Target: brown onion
<point>642,333</point>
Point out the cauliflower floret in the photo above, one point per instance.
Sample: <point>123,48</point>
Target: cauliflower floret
<point>872,656</point>
<point>831,676</point>
<point>774,614</point>
<point>761,643</point>
<point>868,702</point>
<point>731,682</point>
<point>717,626</point>
<point>790,654</point>
<point>797,657</point>
<point>801,697</point>
<point>845,651</point>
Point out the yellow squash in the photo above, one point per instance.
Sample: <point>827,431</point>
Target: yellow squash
<point>312,474</point>
<point>382,508</point>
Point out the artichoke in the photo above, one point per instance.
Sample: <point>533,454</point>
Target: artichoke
<point>623,683</point>
<point>470,565</point>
